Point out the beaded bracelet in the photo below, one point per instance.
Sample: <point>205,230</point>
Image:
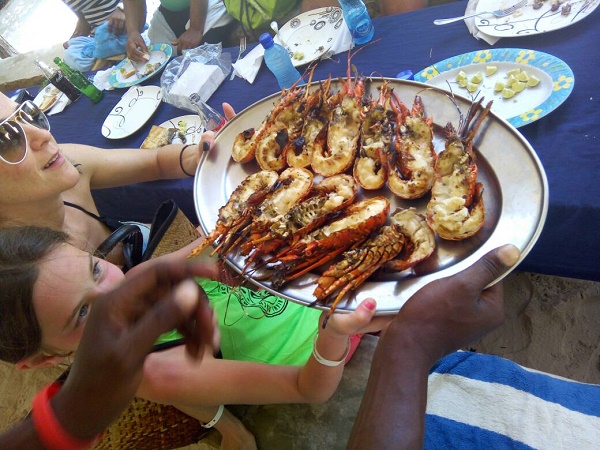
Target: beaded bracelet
<point>51,433</point>
<point>328,362</point>
<point>181,160</point>
<point>215,419</point>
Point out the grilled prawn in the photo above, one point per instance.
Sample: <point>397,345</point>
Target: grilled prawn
<point>370,166</point>
<point>325,199</point>
<point>355,223</point>
<point>412,159</point>
<point>239,210</point>
<point>456,210</point>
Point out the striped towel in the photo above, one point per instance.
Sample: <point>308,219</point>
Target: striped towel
<point>478,401</point>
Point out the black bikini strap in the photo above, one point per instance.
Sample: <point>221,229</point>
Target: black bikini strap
<point>110,223</point>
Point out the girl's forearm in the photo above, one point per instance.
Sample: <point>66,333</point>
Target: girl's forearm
<point>317,382</point>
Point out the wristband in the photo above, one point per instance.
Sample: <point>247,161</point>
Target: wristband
<point>215,419</point>
<point>49,430</point>
<point>181,160</point>
<point>328,362</point>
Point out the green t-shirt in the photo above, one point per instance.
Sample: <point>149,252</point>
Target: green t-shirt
<point>175,5</point>
<point>259,326</point>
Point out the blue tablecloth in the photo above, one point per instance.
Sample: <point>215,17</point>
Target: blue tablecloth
<point>566,140</point>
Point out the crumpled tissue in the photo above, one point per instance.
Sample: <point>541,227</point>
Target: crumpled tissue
<point>470,23</point>
<point>248,66</point>
<point>101,80</point>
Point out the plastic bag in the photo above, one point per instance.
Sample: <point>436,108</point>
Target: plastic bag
<point>200,70</point>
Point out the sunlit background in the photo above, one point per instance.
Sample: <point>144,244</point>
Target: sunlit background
<point>35,24</point>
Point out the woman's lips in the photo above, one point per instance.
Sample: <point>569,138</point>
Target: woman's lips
<point>56,160</point>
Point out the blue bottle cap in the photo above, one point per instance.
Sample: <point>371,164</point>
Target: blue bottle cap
<point>405,75</point>
<point>266,40</point>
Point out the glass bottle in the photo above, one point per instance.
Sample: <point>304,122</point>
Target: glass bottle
<point>80,81</point>
<point>57,78</point>
<point>211,119</point>
<point>278,61</point>
<point>358,20</point>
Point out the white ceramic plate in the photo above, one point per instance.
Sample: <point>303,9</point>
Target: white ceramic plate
<point>556,81</point>
<point>159,54</point>
<point>189,126</point>
<point>50,95</point>
<point>311,34</point>
<point>515,195</point>
<point>131,113</point>
<point>528,20</point>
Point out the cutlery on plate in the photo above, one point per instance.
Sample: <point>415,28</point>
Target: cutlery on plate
<point>242,50</point>
<point>497,13</point>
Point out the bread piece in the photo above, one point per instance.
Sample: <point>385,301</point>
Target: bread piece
<point>127,71</point>
<point>158,137</point>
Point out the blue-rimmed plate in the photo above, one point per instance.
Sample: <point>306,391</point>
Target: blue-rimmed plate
<point>128,73</point>
<point>532,103</point>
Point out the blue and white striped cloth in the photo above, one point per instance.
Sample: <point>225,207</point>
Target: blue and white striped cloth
<point>478,401</point>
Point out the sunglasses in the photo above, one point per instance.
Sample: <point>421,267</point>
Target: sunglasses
<point>13,139</point>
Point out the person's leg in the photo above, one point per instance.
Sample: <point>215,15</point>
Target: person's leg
<point>220,34</point>
<point>177,20</point>
<point>159,30</point>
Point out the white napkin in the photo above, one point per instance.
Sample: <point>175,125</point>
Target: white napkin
<point>248,66</point>
<point>470,22</point>
<point>101,80</point>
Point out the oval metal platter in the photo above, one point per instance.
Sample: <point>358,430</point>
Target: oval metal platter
<point>515,195</point>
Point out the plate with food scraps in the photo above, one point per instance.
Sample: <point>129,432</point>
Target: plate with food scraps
<point>181,130</point>
<point>310,35</point>
<point>515,196</point>
<point>525,85</point>
<point>131,113</point>
<point>537,16</point>
<point>128,73</point>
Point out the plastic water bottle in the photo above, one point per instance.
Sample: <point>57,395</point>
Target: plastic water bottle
<point>80,81</point>
<point>278,61</point>
<point>358,20</point>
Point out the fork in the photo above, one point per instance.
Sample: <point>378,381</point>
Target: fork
<point>242,50</point>
<point>497,13</point>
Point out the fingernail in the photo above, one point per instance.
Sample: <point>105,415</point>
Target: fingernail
<point>206,146</point>
<point>370,304</point>
<point>186,296</point>
<point>508,255</point>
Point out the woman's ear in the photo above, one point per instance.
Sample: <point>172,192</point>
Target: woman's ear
<point>39,360</point>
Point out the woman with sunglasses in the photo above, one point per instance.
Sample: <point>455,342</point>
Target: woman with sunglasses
<point>49,184</point>
<point>49,288</point>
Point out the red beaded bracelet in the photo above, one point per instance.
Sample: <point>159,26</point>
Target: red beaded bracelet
<point>49,430</point>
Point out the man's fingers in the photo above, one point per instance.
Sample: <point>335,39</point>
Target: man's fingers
<point>169,313</point>
<point>203,330</point>
<point>491,266</point>
<point>156,279</point>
